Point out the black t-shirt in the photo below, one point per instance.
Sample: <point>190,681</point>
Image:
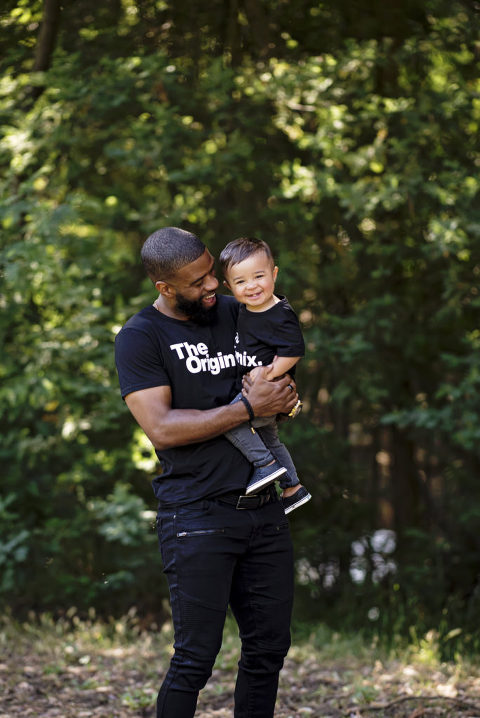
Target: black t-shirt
<point>198,364</point>
<point>263,335</point>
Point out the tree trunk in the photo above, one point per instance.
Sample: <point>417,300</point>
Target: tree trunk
<point>259,27</point>
<point>47,35</point>
<point>404,482</point>
<point>46,40</point>
<point>233,38</point>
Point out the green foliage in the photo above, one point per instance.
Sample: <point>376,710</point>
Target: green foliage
<point>343,135</point>
<point>13,545</point>
<point>385,171</point>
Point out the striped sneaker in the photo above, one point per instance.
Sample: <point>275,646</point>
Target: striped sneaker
<point>264,475</point>
<point>300,497</point>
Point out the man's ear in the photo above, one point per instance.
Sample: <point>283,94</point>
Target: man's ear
<point>165,289</point>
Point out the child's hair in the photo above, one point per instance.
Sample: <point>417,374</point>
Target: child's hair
<point>242,248</point>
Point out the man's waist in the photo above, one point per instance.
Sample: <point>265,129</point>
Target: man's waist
<point>236,499</point>
<point>251,501</point>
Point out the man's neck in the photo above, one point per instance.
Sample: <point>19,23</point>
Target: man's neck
<point>162,306</point>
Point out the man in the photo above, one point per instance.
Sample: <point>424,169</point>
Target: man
<point>176,366</point>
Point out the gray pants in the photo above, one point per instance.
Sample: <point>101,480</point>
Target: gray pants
<point>263,446</point>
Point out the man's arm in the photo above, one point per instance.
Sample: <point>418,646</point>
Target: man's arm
<point>167,427</point>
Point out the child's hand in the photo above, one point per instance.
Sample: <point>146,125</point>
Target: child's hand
<point>269,371</point>
<point>256,371</point>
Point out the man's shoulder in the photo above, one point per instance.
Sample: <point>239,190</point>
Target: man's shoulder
<point>141,321</point>
<point>149,321</point>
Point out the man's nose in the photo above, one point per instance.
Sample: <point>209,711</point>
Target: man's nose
<point>211,283</point>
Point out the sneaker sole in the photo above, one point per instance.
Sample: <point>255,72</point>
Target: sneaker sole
<point>299,503</point>
<point>265,481</point>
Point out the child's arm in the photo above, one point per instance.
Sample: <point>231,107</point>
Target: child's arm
<point>278,367</point>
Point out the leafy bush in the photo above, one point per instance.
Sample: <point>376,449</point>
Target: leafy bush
<point>357,162</point>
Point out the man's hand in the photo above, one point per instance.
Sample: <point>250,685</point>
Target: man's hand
<point>270,397</point>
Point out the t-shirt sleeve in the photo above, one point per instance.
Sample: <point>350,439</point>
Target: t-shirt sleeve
<point>139,363</point>
<point>287,336</point>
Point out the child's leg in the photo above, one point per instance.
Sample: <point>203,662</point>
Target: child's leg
<point>249,443</point>
<point>266,469</point>
<point>269,435</point>
<point>294,494</point>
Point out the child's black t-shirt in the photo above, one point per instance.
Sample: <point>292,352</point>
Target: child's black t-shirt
<point>263,335</point>
<point>198,364</point>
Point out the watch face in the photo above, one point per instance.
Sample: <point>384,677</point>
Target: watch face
<point>296,409</point>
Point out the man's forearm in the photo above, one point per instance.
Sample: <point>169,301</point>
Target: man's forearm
<point>181,427</point>
<point>167,427</point>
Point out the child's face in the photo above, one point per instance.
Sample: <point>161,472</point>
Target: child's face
<point>252,281</point>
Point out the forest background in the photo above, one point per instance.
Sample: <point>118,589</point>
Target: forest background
<point>343,133</point>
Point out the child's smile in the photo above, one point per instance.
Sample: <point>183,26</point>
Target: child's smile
<point>252,282</point>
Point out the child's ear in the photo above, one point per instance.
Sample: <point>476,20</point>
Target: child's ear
<point>226,284</point>
<point>275,272</point>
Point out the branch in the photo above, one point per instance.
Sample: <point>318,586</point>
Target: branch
<point>385,706</point>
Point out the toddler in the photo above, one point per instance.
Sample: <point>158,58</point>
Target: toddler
<point>268,335</point>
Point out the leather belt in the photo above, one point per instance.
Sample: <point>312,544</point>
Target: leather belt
<point>249,501</point>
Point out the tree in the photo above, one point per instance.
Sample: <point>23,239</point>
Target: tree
<point>342,134</point>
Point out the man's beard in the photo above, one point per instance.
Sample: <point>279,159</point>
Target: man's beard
<point>195,310</point>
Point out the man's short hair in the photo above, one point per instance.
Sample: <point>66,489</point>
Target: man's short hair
<point>242,248</point>
<point>169,249</point>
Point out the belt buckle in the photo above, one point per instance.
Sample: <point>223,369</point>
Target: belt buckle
<point>243,496</point>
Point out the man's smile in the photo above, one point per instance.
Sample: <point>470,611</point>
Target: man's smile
<point>210,298</point>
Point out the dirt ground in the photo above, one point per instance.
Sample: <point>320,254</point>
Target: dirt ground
<point>51,673</point>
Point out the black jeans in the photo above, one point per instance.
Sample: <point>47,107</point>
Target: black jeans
<point>215,555</point>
